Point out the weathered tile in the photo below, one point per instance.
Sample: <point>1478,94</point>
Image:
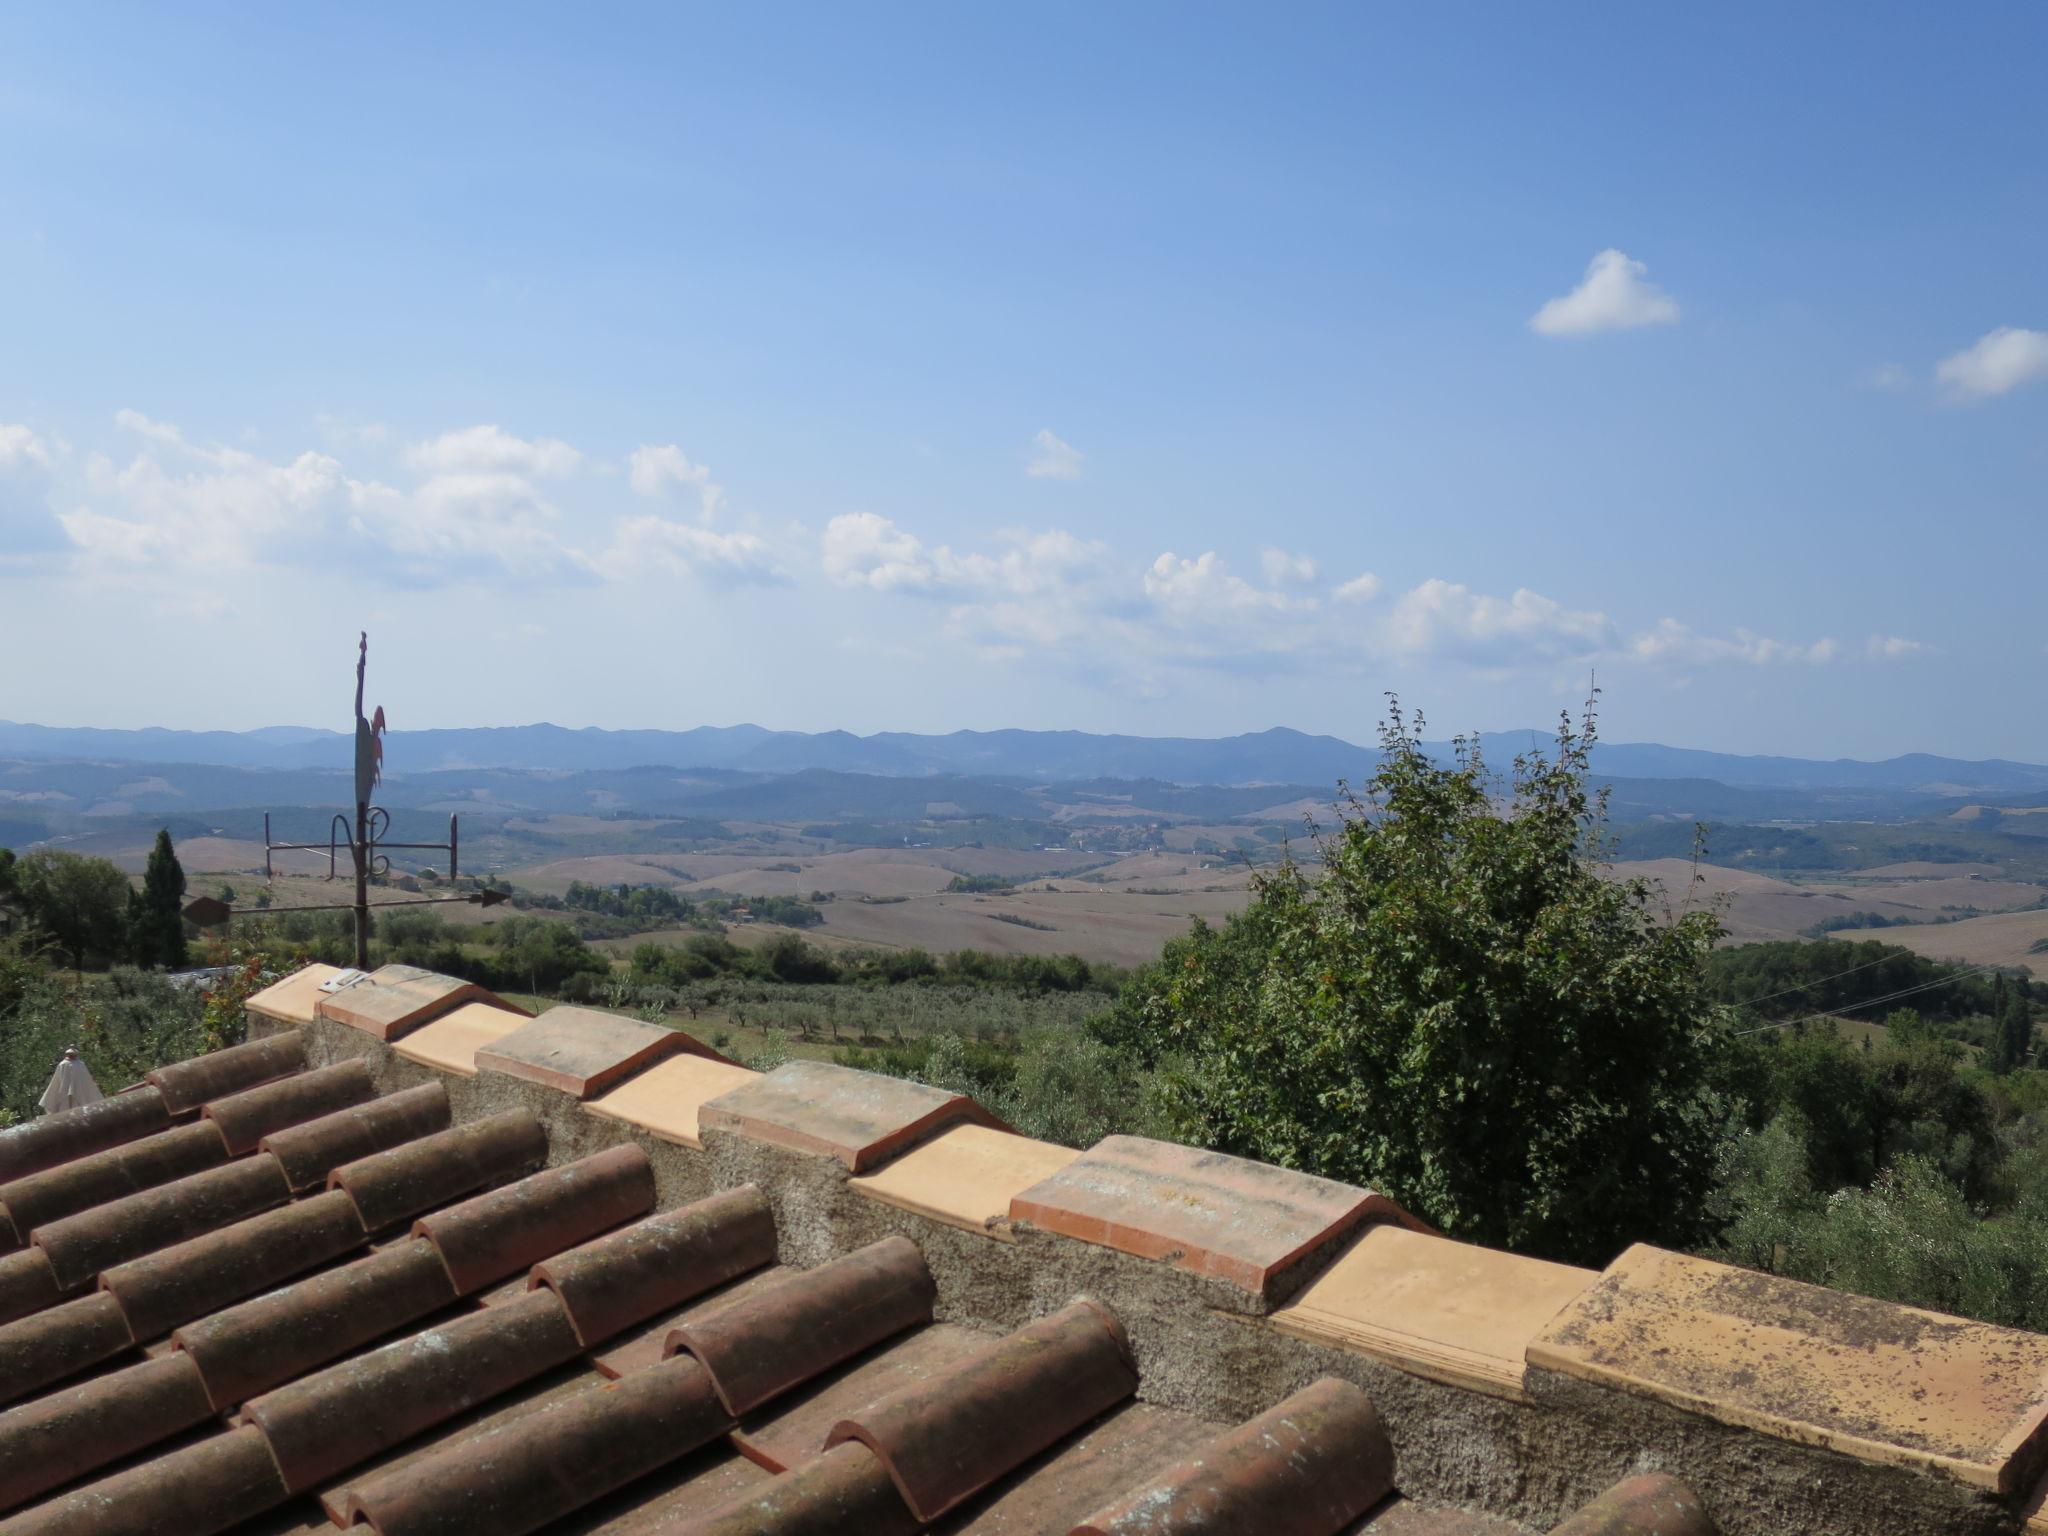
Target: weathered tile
<point>450,1043</point>
<point>580,1051</point>
<point>296,999</point>
<point>396,999</point>
<point>966,1176</point>
<point>1239,1221</point>
<point>860,1118</point>
<point>665,1098</point>
<point>1445,1310</point>
<point>1870,1379</point>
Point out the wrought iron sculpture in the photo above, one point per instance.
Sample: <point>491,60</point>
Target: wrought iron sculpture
<point>365,841</point>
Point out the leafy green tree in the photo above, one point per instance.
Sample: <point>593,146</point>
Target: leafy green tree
<point>156,926</point>
<point>1461,1011</point>
<point>81,904</point>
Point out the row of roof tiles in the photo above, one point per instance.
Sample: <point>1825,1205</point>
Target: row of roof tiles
<point>1879,1383</point>
<point>825,1399</point>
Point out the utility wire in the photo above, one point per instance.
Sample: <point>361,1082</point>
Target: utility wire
<point>1871,1002</point>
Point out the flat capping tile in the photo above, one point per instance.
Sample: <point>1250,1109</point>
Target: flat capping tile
<point>1239,1221</point>
<point>296,998</point>
<point>450,1043</point>
<point>966,1176</point>
<point>858,1117</point>
<point>1870,1379</point>
<point>1449,1311</point>
<point>580,1051</point>
<point>396,999</point>
<point>665,1099</point>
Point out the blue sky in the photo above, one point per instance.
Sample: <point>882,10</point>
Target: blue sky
<point>1162,368</point>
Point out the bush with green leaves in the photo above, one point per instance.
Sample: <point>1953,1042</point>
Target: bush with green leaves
<point>1459,1010</point>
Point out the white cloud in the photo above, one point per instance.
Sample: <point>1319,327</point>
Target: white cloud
<point>452,523</point>
<point>1052,459</point>
<point>660,543</point>
<point>1203,588</point>
<point>1284,570</point>
<point>1895,648</point>
<point>490,449</point>
<point>865,549</point>
<point>1443,618</point>
<point>1887,376</point>
<point>655,471</point>
<point>1616,295</point>
<point>1671,643</point>
<point>1362,588</point>
<point>1996,362</point>
<point>22,449</point>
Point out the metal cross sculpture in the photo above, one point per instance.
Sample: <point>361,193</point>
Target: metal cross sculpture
<point>365,841</point>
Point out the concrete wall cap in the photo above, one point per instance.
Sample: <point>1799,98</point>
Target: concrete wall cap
<point>1870,1379</point>
<point>966,1176</point>
<point>450,1043</point>
<point>666,1098</point>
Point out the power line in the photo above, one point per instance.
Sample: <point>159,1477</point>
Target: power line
<point>1871,1002</point>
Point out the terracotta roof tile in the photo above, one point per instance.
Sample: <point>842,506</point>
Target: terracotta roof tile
<point>73,1133</point>
<point>186,1085</point>
<point>59,1342</point>
<point>260,1344</point>
<point>325,1423</point>
<point>395,1186</point>
<point>847,1489</point>
<point>203,1487</point>
<point>398,998</point>
<point>756,1349</point>
<point>456,1438</point>
<point>658,1264</point>
<point>244,1119</point>
<point>308,1153</point>
<point>1449,1311</point>
<point>98,1177</point>
<point>644,1344</point>
<point>518,1478</point>
<point>1868,1378</point>
<point>966,1176</point>
<point>159,1291</point>
<point>499,1234</point>
<point>1307,1467</point>
<point>27,1284</point>
<point>1653,1505</point>
<point>1123,1449</point>
<point>580,1051</point>
<point>375,1390</point>
<point>49,1442</point>
<point>860,1118</point>
<point>795,1429</point>
<point>79,1247</point>
<point>450,1043</point>
<point>948,1438</point>
<point>666,1098</point>
<point>1239,1221</point>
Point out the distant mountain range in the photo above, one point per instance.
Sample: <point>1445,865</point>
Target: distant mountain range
<point>1277,756</point>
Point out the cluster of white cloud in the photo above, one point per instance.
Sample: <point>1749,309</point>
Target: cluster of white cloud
<point>476,503</point>
<point>1052,459</point>
<point>1074,601</point>
<point>1615,295</point>
<point>189,520</point>
<point>1995,364</point>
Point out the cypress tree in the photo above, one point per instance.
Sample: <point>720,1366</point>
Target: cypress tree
<point>2015,1029</point>
<point>156,924</point>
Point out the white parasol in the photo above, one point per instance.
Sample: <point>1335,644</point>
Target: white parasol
<point>71,1085</point>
